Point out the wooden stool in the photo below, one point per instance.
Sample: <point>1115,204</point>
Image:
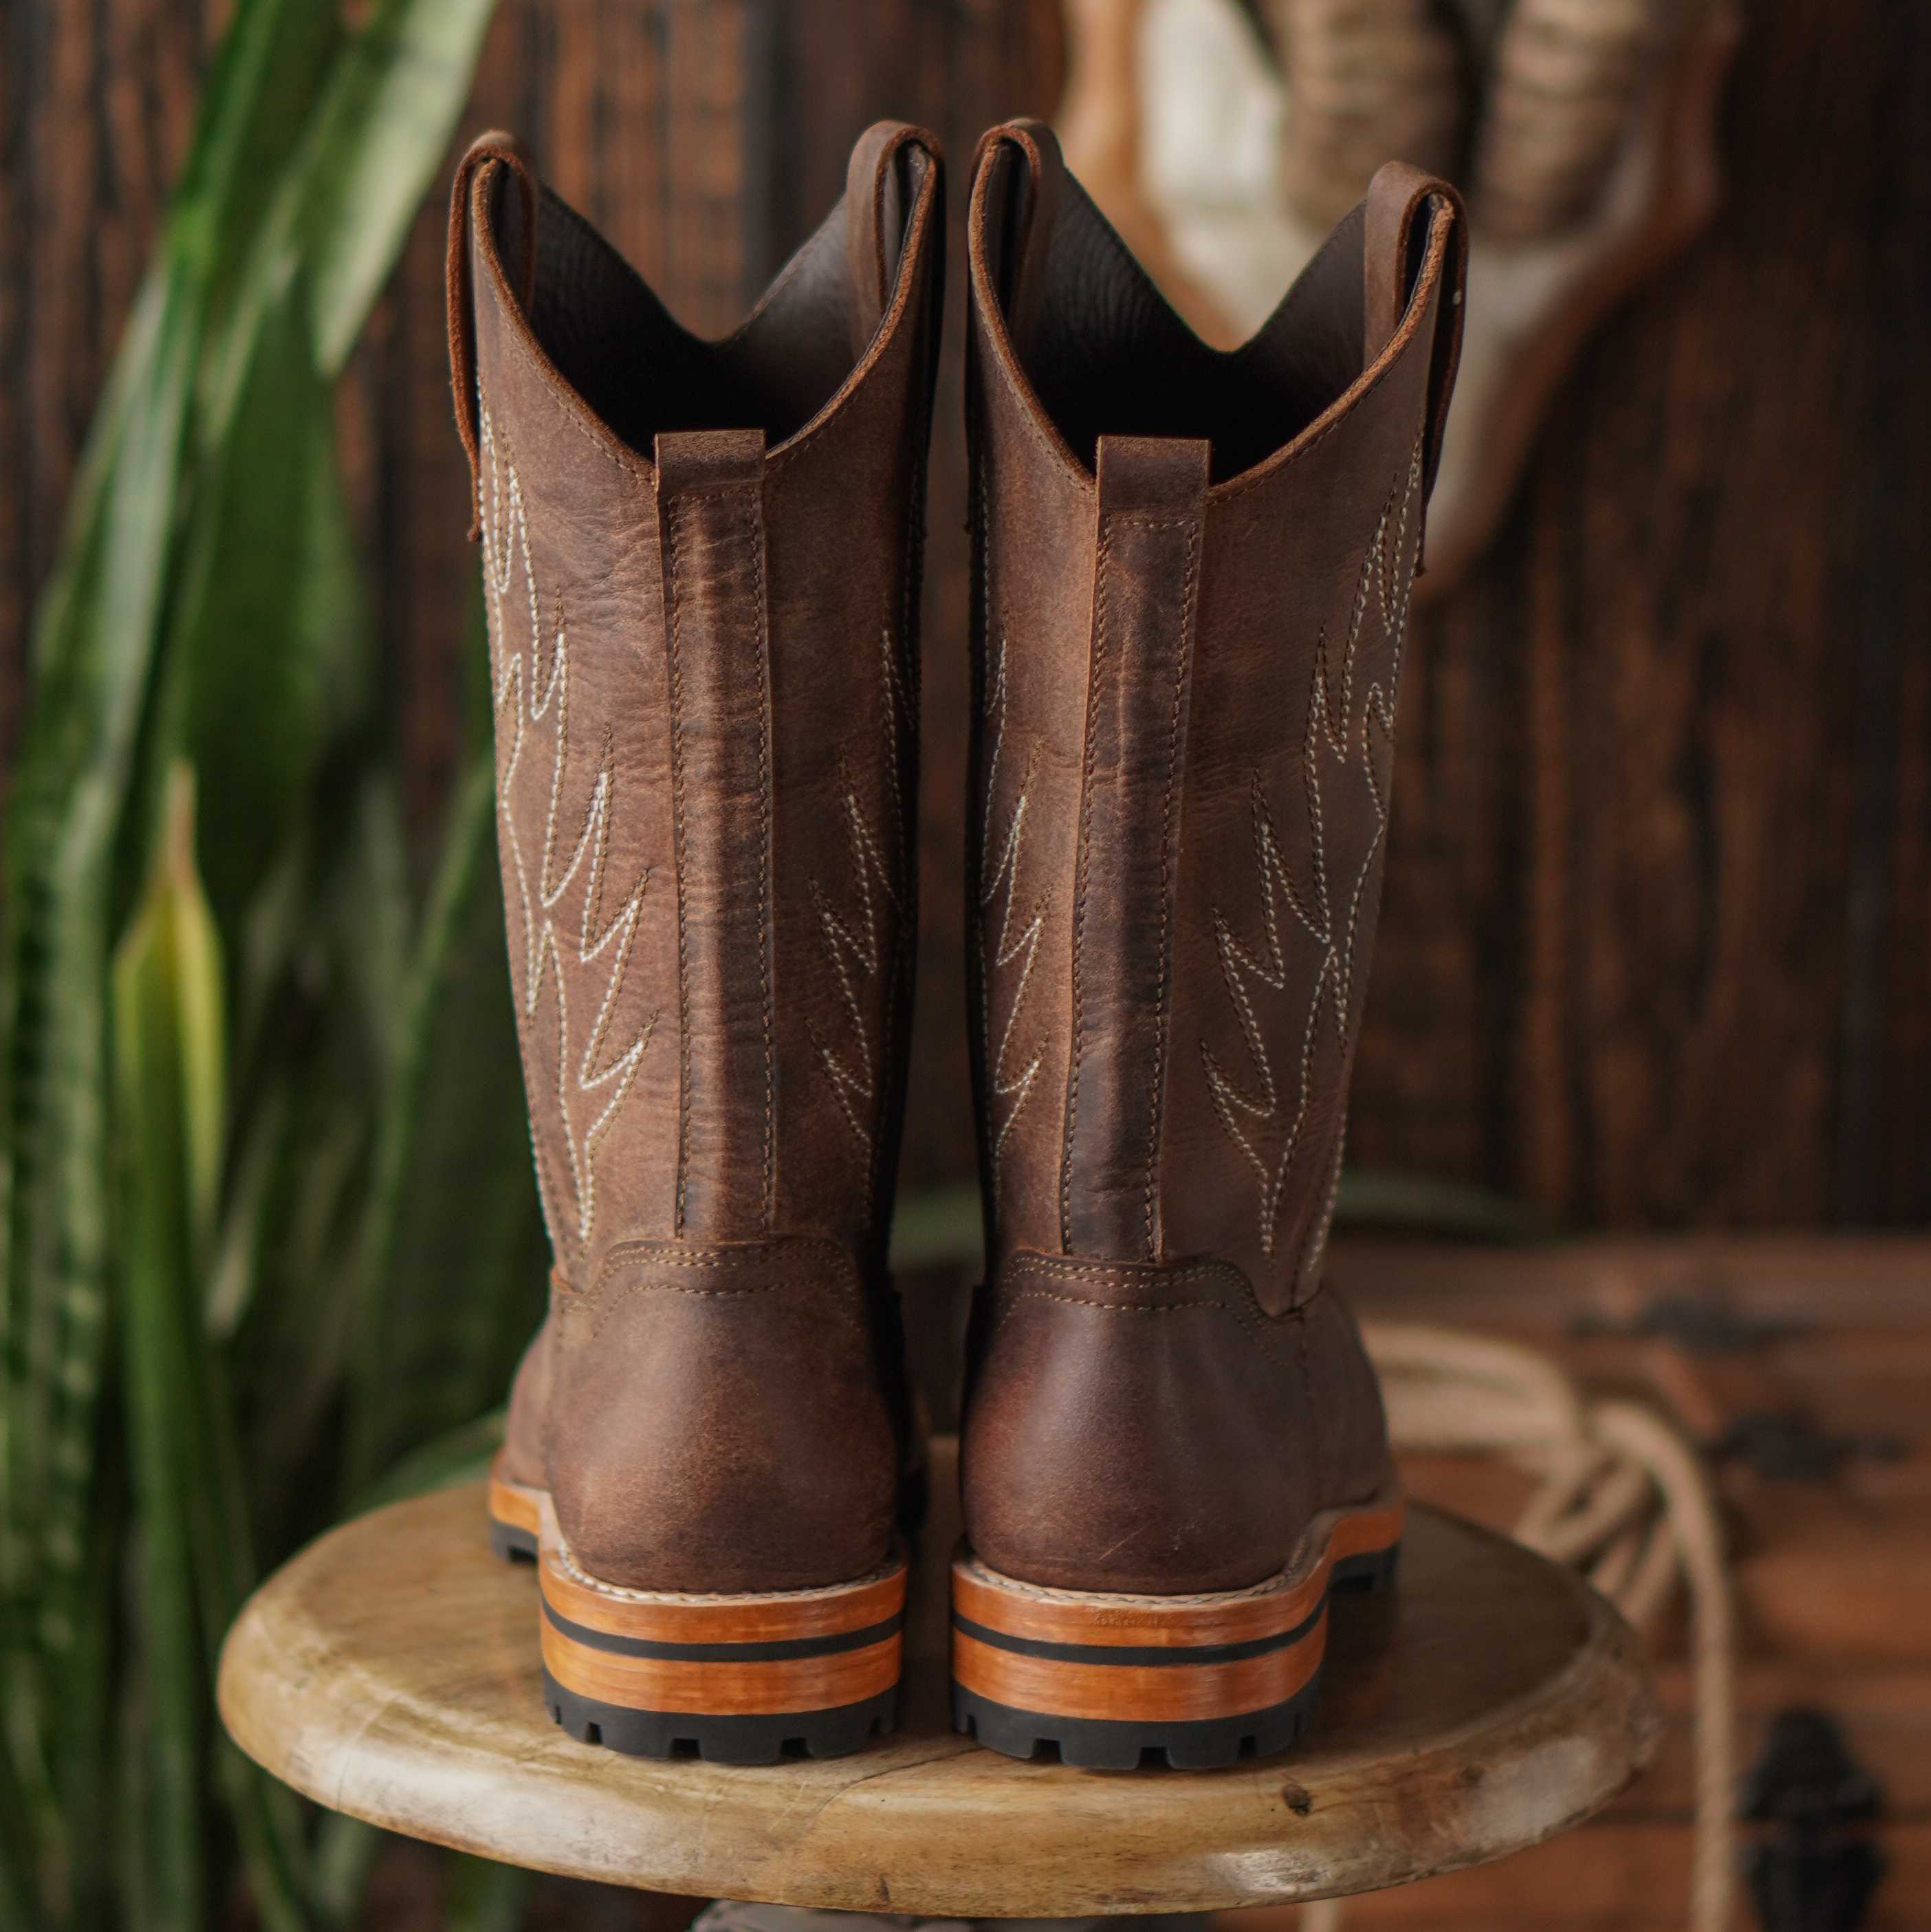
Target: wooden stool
<point>390,1671</point>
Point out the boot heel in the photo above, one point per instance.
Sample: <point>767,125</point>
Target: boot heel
<point>732,1679</point>
<point>1112,1680</point>
<point>515,1517</point>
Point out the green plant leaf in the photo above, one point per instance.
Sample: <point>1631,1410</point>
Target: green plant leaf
<point>455,1259</point>
<point>391,112</point>
<point>463,1455</point>
<point>197,1566</point>
<point>267,652</point>
<point>168,1042</point>
<point>484,1896</point>
<point>64,821</point>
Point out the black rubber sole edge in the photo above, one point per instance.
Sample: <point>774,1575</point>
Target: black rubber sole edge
<point>1112,1744</point>
<point>1206,1743</point>
<point>512,1544</point>
<point>717,1739</point>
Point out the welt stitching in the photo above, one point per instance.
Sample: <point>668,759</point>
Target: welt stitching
<point>1157,1099</point>
<point>1096,670</point>
<point>754,530</point>
<point>679,510</point>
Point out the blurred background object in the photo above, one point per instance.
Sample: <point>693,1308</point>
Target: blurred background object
<point>1226,141</point>
<point>1654,950</point>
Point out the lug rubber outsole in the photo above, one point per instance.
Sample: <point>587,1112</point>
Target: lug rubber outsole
<point>512,1544</point>
<point>1102,1744</point>
<point>742,1679</point>
<point>516,1516</point>
<point>1112,1681</point>
<point>737,1679</point>
<point>735,1738</point>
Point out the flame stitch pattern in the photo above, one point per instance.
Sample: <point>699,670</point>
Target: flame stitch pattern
<point>1001,882</point>
<point>854,946</point>
<point>1334,740</point>
<point>526,698</point>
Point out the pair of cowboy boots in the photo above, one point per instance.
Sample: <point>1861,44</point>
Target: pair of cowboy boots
<point>702,567</point>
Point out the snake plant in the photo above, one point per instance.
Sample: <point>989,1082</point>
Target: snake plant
<point>257,1063</point>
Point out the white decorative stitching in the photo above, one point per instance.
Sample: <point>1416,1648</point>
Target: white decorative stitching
<point>1334,739</point>
<point>506,546</point>
<point>853,947</point>
<point>1003,879</point>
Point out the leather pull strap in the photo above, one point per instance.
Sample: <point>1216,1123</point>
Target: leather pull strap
<point>1034,196</point>
<point>710,497</point>
<point>1152,518</point>
<point>1395,252</point>
<point>469,204</point>
<point>879,195</point>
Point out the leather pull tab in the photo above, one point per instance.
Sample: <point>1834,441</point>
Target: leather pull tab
<point>710,497</point>
<point>1032,202</point>
<point>1395,249</point>
<point>880,192</point>
<point>1151,513</point>
<point>465,208</point>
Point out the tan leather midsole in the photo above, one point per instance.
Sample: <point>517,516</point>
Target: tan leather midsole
<point>514,1504</point>
<point>724,1655</point>
<point>1278,1629</point>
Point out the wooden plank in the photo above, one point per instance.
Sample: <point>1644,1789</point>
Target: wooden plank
<point>1608,1877</point>
<point>390,1670</point>
<point>1657,944</point>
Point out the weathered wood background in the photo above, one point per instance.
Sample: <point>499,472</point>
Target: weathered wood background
<point>1657,944</point>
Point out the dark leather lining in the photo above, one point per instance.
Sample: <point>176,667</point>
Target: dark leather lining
<point>1106,355</point>
<point>646,375</point>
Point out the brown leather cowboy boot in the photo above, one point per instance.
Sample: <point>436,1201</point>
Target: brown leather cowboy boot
<point>701,561</point>
<point>1195,573</point>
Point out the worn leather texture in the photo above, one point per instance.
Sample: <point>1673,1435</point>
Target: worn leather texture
<point>1193,573</point>
<point>701,564</point>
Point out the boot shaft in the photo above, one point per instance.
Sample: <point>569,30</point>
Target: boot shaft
<point>1194,573</point>
<point>704,655</point>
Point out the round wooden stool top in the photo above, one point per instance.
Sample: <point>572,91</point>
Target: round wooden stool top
<point>390,1671</point>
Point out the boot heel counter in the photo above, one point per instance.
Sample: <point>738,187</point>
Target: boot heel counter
<point>718,1421</point>
<point>1119,1433</point>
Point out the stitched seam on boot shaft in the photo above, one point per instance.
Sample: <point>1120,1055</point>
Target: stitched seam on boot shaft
<point>1183,671</point>
<point>1057,1268</point>
<point>1268,1331</point>
<point>679,511</point>
<point>810,1274</point>
<point>504,526</point>
<point>1105,655</point>
<point>755,528</point>
<point>679,514</point>
<point>1095,666</point>
<point>816,1256</point>
<point>1252,1324</point>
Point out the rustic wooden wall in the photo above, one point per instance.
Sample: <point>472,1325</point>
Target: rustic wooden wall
<point>1656,943</point>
